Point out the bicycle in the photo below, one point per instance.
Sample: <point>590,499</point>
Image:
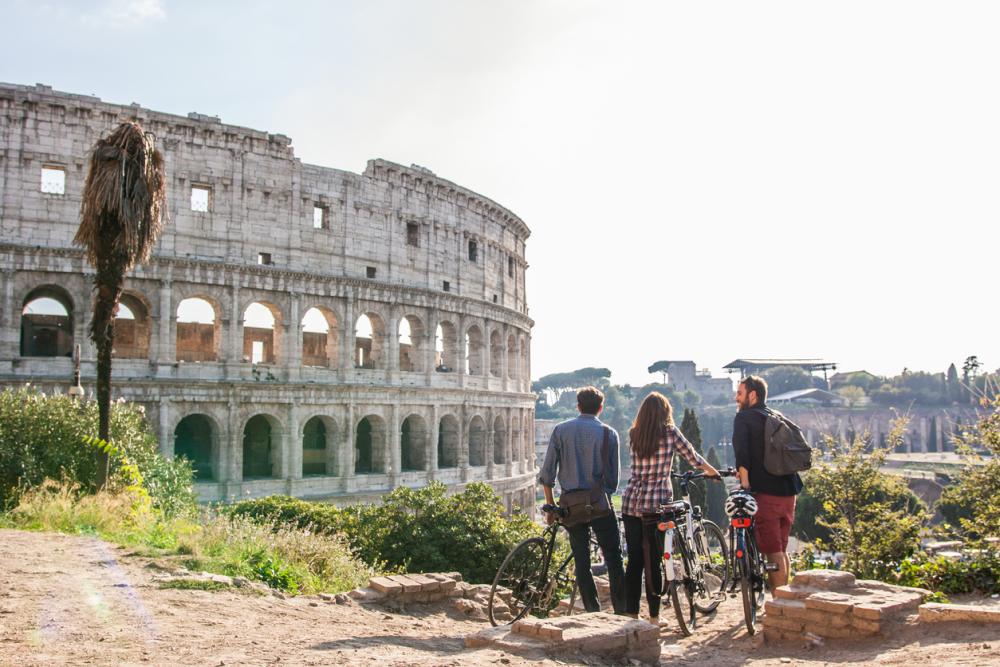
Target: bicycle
<point>524,584</point>
<point>700,556</point>
<point>747,565</point>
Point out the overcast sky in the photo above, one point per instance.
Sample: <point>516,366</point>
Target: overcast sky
<point>703,180</point>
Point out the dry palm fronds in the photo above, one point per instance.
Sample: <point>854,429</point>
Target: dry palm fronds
<point>123,198</point>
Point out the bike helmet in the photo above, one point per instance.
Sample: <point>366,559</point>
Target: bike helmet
<point>741,502</point>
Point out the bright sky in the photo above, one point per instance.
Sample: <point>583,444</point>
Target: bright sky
<point>726,179</point>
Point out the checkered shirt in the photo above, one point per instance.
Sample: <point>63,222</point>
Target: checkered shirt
<point>649,486</point>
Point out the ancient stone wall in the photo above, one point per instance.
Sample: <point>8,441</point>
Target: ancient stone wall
<point>437,270</point>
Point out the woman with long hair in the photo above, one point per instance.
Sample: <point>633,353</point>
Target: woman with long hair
<point>653,440</point>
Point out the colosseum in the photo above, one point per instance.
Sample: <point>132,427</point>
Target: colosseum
<point>300,329</point>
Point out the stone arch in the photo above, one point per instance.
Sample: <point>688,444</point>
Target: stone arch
<point>496,353</point>
<point>370,446</point>
<point>477,441</point>
<point>369,341</point>
<point>319,446</point>
<point>320,338</point>
<point>195,438</point>
<point>413,444</point>
<point>412,340</point>
<point>47,323</point>
<point>473,350</point>
<point>198,329</point>
<point>511,356</point>
<point>448,443</point>
<point>261,447</point>
<point>261,333</point>
<point>514,435</point>
<point>499,441</point>
<point>132,327</point>
<point>446,347</point>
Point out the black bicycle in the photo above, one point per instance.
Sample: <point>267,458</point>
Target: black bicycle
<point>696,571</point>
<point>749,569</point>
<point>527,582</point>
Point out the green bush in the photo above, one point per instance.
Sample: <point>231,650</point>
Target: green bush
<point>980,573</point>
<point>415,530</point>
<point>42,437</point>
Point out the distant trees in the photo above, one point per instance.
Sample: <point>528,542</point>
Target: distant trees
<point>782,379</point>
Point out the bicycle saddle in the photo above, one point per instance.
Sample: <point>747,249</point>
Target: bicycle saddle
<point>675,507</point>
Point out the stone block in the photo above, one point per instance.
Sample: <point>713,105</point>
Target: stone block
<point>774,634</point>
<point>866,626</point>
<point>835,603</point>
<point>408,584</point>
<point>784,607</point>
<point>933,612</point>
<point>427,584</point>
<point>385,586</point>
<point>830,580</point>
<point>784,623</point>
<point>830,632</point>
<point>550,632</point>
<point>793,592</point>
<point>454,576</point>
<point>526,626</point>
<point>818,616</point>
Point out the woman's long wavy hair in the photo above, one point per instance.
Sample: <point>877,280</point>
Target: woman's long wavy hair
<point>650,425</point>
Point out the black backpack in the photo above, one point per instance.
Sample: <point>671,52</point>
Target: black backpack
<point>785,448</point>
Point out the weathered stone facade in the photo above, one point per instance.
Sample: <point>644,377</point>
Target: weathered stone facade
<point>437,389</point>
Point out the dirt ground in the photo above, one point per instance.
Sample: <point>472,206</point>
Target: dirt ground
<point>68,600</point>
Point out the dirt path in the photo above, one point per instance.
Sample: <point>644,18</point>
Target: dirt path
<point>78,601</point>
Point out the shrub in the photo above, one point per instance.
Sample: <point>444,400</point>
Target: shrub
<point>42,437</point>
<point>972,504</point>
<point>870,517</point>
<point>417,530</point>
<point>979,573</point>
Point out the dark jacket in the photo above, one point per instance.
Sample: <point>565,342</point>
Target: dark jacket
<point>748,447</point>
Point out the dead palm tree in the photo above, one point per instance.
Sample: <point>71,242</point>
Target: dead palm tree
<point>120,219</point>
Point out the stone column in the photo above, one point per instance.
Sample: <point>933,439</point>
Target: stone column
<point>490,444</point>
<point>391,350</point>
<point>462,374</point>
<point>347,340</point>
<point>347,455</point>
<point>504,351</point>
<point>942,434</point>
<point>165,343</point>
<point>293,340</point>
<point>925,433</point>
<point>508,456</point>
<point>516,384</point>
<point>10,336</point>
<point>234,442</point>
<point>233,354</point>
<point>292,451</point>
<point>430,352</point>
<point>393,442</point>
<point>463,445</point>
<point>166,442</point>
<point>435,433</point>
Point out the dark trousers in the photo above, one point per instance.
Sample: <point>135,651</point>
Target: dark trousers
<point>636,573</point>
<point>606,531</point>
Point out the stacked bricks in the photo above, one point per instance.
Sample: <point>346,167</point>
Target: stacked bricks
<point>598,634</point>
<point>834,605</point>
<point>431,587</point>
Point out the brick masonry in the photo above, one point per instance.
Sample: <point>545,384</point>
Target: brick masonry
<point>389,239</point>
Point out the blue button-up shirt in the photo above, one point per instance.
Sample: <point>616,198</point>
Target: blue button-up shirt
<point>574,455</point>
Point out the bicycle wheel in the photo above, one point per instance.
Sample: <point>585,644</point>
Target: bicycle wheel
<point>519,583</point>
<point>712,555</point>
<point>681,591</point>
<point>749,599</point>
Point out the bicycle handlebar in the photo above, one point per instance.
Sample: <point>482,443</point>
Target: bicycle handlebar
<point>554,509</point>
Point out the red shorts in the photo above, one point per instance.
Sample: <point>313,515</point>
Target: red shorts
<point>773,522</point>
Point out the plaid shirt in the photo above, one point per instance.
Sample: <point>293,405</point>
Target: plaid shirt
<point>649,485</point>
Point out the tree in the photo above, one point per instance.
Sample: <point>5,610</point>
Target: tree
<point>871,517</point>
<point>578,378</point>
<point>969,370</point>
<point>953,388</point>
<point>124,197</point>
<point>691,431</point>
<point>852,395</point>
<point>786,378</point>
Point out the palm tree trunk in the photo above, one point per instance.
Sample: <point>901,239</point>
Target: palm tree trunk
<point>109,282</point>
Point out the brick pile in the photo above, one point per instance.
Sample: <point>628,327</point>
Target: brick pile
<point>834,605</point>
<point>600,634</point>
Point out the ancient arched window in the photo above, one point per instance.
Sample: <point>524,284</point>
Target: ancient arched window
<point>197,330</point>
<point>315,441</point>
<point>499,441</point>
<point>474,351</point>
<point>260,339</point>
<point>132,329</point>
<point>411,344</point>
<point>477,442</point>
<point>47,324</point>
<point>446,348</point>
<point>369,340</point>
<point>496,353</point>
<point>320,340</point>
<point>369,446</point>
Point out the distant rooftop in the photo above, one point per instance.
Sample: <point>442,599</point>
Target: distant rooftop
<point>751,366</point>
<point>812,395</point>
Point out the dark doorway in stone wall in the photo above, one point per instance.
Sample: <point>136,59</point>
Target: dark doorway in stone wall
<point>314,443</point>
<point>258,448</point>
<point>477,442</point>
<point>47,324</point>
<point>448,442</point>
<point>413,444</point>
<point>369,446</point>
<point>193,441</point>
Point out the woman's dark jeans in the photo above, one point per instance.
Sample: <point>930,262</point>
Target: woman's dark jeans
<point>609,539</point>
<point>635,575</point>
